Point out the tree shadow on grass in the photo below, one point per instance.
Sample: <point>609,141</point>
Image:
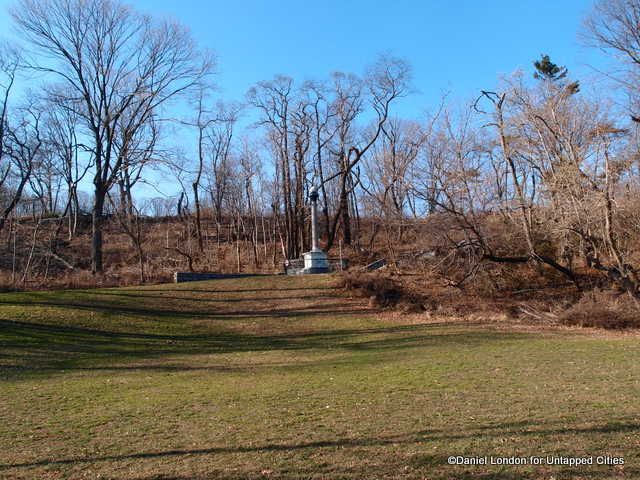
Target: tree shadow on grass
<point>30,348</point>
<point>180,304</point>
<point>234,290</point>
<point>190,298</point>
<point>418,463</point>
<point>160,313</point>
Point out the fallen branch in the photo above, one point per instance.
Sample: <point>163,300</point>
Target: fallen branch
<point>538,315</point>
<point>60,259</point>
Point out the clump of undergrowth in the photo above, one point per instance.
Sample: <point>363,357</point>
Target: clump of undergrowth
<point>603,309</point>
<point>382,291</point>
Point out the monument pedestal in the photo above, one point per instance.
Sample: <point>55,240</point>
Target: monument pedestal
<point>315,261</point>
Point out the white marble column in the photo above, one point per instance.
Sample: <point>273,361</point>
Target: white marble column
<point>315,260</point>
<point>313,195</point>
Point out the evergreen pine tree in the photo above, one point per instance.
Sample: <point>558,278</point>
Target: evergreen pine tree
<point>547,70</point>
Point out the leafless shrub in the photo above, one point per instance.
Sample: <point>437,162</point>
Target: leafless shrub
<point>603,309</point>
<point>382,291</point>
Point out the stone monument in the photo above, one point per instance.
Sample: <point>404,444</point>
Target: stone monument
<point>315,261</point>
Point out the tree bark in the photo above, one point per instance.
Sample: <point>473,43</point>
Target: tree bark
<point>97,220</point>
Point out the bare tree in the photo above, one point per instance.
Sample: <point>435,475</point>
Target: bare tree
<point>204,118</point>
<point>22,147</point>
<point>45,181</point>
<point>120,65</point>
<point>583,165</point>
<point>219,138</point>
<point>62,139</point>
<point>285,115</point>
<point>613,27</point>
<point>347,105</point>
<point>9,64</point>
<point>386,81</point>
<point>390,168</point>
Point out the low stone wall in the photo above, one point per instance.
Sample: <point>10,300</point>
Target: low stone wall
<point>180,277</point>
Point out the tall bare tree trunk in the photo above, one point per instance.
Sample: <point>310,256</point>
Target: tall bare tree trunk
<point>97,221</point>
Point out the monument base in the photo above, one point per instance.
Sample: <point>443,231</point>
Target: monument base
<point>315,261</point>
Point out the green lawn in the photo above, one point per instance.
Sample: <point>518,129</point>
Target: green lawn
<point>283,377</point>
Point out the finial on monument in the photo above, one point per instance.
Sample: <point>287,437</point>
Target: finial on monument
<point>313,193</point>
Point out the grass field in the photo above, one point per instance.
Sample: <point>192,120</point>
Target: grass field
<point>281,377</point>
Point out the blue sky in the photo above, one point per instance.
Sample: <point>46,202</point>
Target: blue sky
<point>457,47</point>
